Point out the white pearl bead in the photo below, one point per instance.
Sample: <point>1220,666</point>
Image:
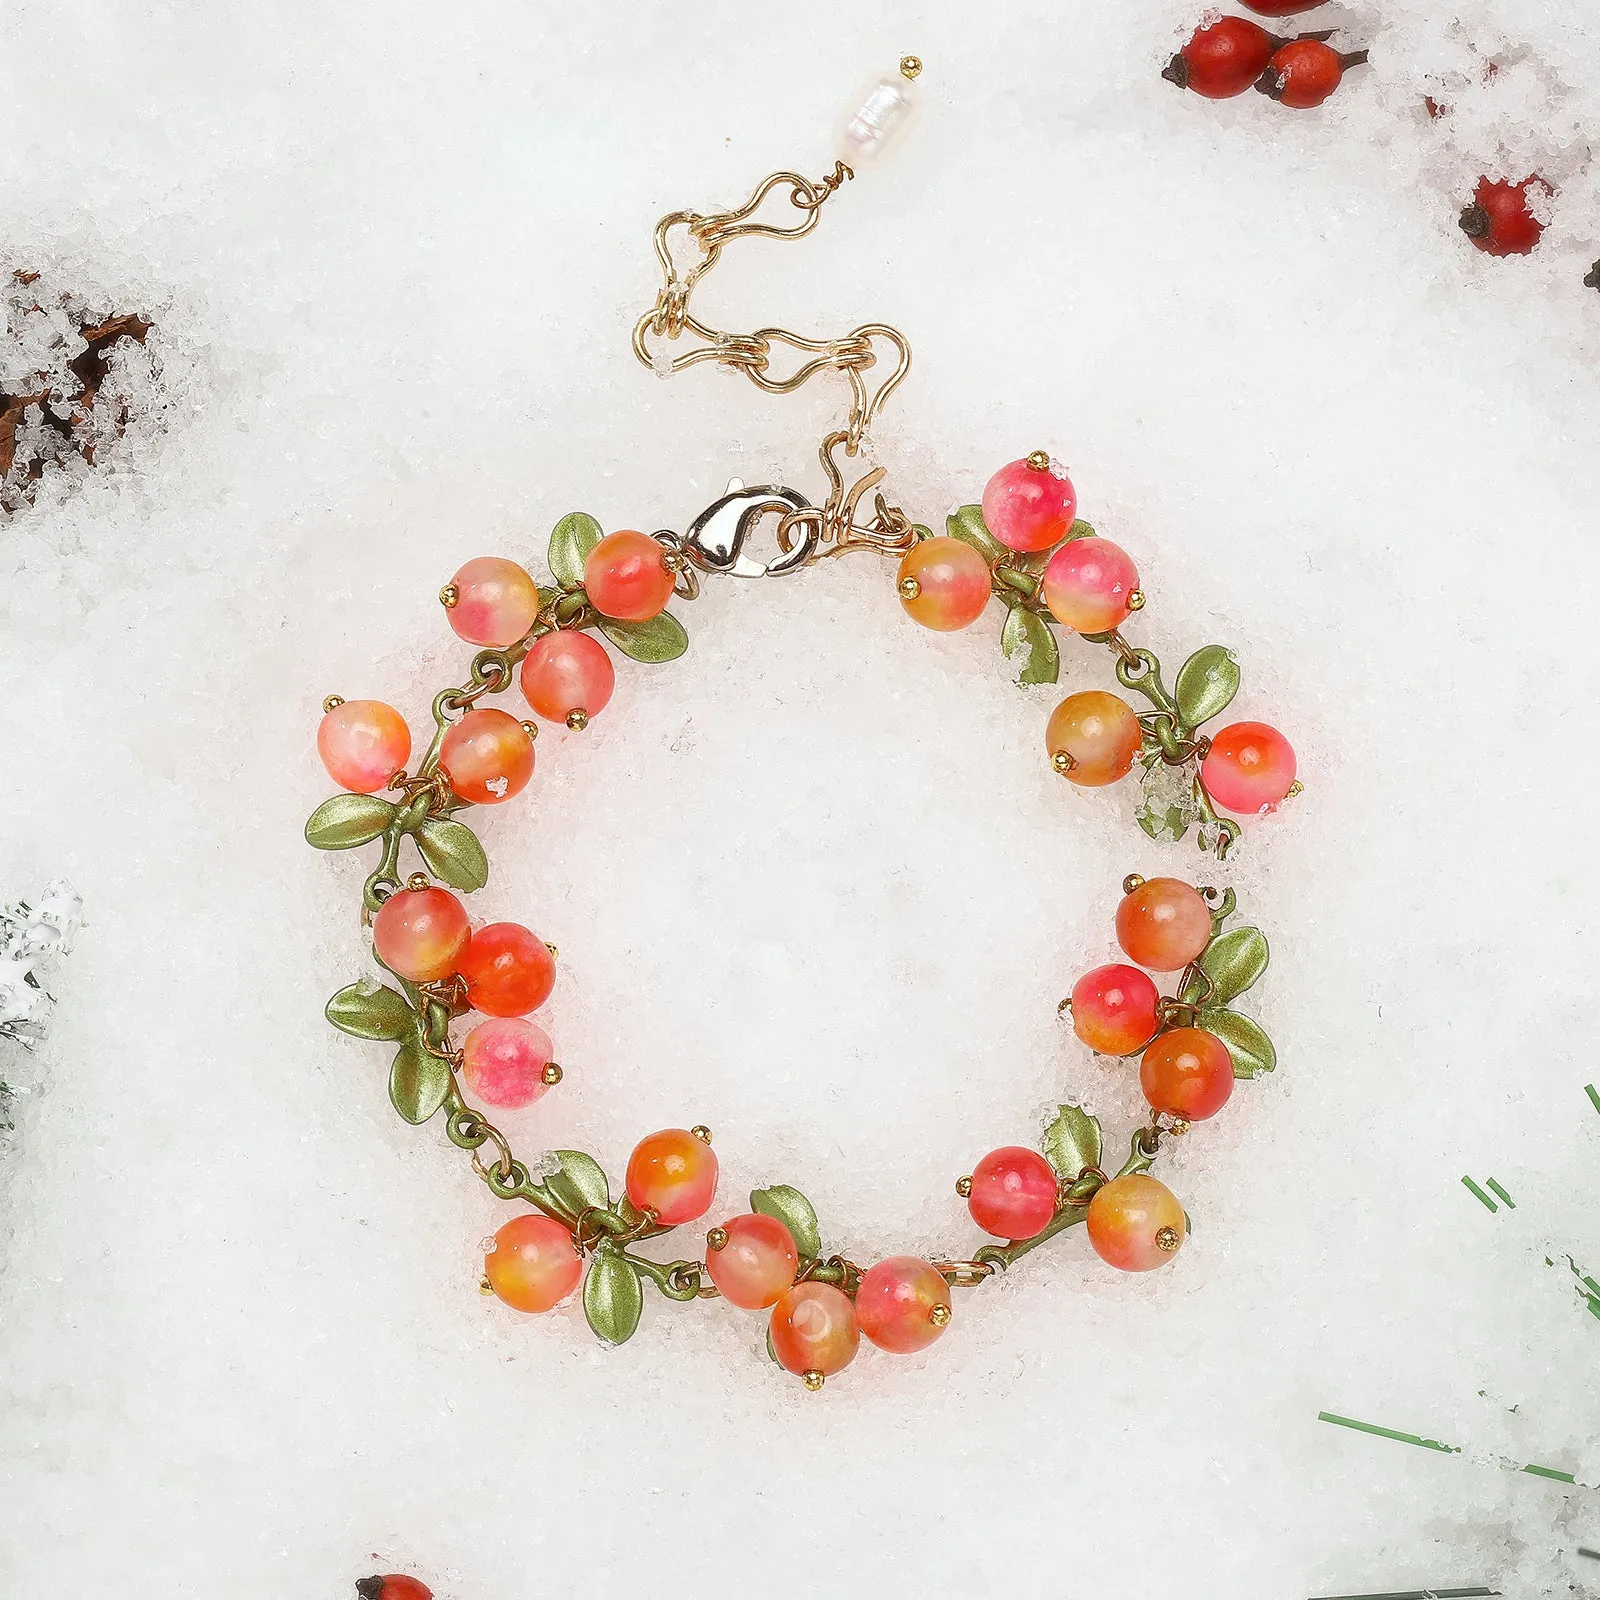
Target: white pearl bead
<point>866,134</point>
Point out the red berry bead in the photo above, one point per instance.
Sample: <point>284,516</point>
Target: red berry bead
<point>1013,1193</point>
<point>755,1262</point>
<point>1093,737</point>
<point>1499,221</point>
<point>1187,1073</point>
<point>396,1586</point>
<point>1222,59</point>
<point>504,1061</point>
<point>487,756</point>
<point>1136,1223</point>
<point>568,677</point>
<point>1091,585</point>
<point>1248,769</point>
<point>363,743</point>
<point>534,1264</point>
<point>1304,72</point>
<point>1163,924</point>
<point>491,601</point>
<point>626,577</point>
<point>1114,1009</point>
<point>674,1174</point>
<point>903,1304</point>
<point>814,1331</point>
<point>509,971</point>
<point>944,584</point>
<point>1030,504</point>
<point>420,933</point>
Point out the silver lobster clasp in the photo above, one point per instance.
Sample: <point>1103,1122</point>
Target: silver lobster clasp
<point>716,538</point>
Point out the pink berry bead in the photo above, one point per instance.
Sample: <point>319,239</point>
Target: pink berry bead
<point>944,584</point>
<point>504,1060</point>
<point>814,1331</point>
<point>1089,585</point>
<point>363,743</point>
<point>674,1174</point>
<point>420,933</point>
<point>1135,1223</point>
<point>903,1304</point>
<point>487,756</point>
<point>1013,1194</point>
<point>1114,1009</point>
<point>568,677</point>
<point>534,1264</point>
<point>495,602</point>
<point>1028,506</point>
<point>626,577</point>
<point>1249,768</point>
<point>1163,924</point>
<point>509,971</point>
<point>755,1265</point>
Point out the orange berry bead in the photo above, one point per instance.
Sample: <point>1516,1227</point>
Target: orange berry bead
<point>363,743</point>
<point>814,1330</point>
<point>1098,733</point>
<point>1187,1073</point>
<point>487,756</point>
<point>626,577</point>
<point>509,971</point>
<point>756,1263</point>
<point>674,1174</point>
<point>420,933</point>
<point>944,584</point>
<point>903,1304</point>
<point>568,675</point>
<point>1135,1223</point>
<point>1163,924</point>
<point>1114,1009</point>
<point>534,1264</point>
<point>491,601</point>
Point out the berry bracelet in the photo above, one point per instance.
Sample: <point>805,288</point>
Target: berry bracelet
<point>1023,546</point>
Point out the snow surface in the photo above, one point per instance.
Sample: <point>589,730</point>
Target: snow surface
<point>815,884</point>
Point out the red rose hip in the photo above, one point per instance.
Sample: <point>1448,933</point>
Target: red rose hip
<point>1499,221</point>
<point>1114,1009</point>
<point>1304,72</point>
<point>394,1586</point>
<point>1222,59</point>
<point>509,971</point>
<point>1012,1193</point>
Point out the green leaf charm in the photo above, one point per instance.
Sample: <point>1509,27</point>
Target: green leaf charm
<point>612,1297</point>
<point>794,1211</point>
<point>662,638</point>
<point>573,537</point>
<point>371,1011</point>
<point>1044,655</point>
<point>1233,961</point>
<point>1207,681</point>
<point>968,526</point>
<point>578,1182</point>
<point>348,820</point>
<point>452,852</point>
<point>418,1081</point>
<point>1072,1142</point>
<point>1249,1046</point>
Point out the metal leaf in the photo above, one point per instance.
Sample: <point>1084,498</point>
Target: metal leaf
<point>794,1211</point>
<point>418,1081</point>
<point>660,639</point>
<point>452,852</point>
<point>348,820</point>
<point>1233,961</point>
<point>578,1182</point>
<point>371,1011</point>
<point>1247,1043</point>
<point>1207,682</point>
<point>571,540</point>
<point>968,526</point>
<point>612,1297</point>
<point>1072,1141</point>
<point>1044,655</point>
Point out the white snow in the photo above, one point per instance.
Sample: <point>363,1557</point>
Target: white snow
<point>814,885</point>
